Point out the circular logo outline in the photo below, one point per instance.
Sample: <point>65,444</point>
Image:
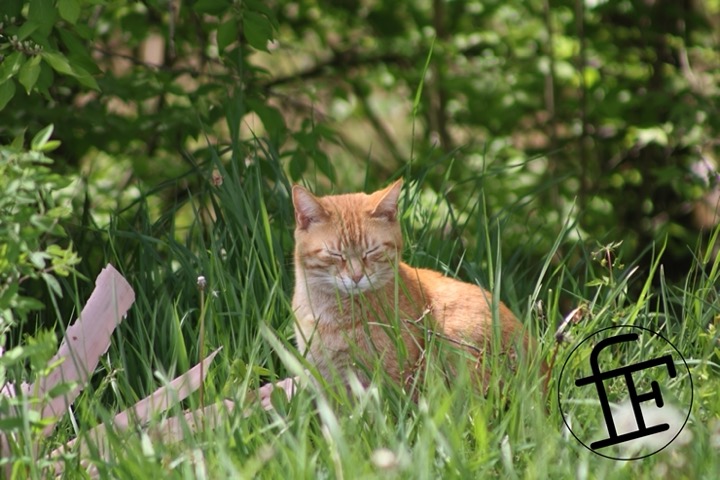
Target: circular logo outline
<point>692,391</point>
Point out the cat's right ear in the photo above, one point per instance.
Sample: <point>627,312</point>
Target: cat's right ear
<point>307,208</point>
<point>387,205</point>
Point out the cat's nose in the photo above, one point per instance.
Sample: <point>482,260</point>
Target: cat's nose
<point>357,277</point>
<point>355,271</point>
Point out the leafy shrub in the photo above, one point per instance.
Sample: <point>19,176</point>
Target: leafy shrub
<point>32,207</point>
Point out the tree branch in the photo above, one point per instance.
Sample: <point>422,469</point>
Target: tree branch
<point>346,60</point>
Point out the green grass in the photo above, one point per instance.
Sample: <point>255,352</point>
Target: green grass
<point>239,237</point>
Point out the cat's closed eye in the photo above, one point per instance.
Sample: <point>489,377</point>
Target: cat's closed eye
<point>370,251</point>
<point>335,254</point>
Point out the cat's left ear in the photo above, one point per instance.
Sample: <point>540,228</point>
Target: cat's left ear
<point>307,208</point>
<point>387,202</point>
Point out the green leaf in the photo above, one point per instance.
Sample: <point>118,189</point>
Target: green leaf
<point>322,162</point>
<point>43,13</point>
<point>18,141</point>
<point>61,65</point>
<point>226,34</point>
<point>10,8</point>
<point>261,371</point>
<point>10,66</point>
<point>50,146</point>
<point>58,62</point>
<point>7,295</point>
<point>58,212</point>
<point>257,30</point>
<point>62,388</point>
<point>12,423</point>
<point>38,259</point>
<point>78,52</point>
<point>29,73</point>
<point>261,7</point>
<point>13,355</point>
<point>298,165</point>
<point>46,78</point>
<point>271,118</point>
<point>86,79</point>
<point>7,91</point>
<point>52,283</point>
<point>211,7</point>
<point>27,304</point>
<point>69,10</point>
<point>27,29</point>
<point>41,138</point>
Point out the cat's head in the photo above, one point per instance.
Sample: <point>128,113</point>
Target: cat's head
<point>347,243</point>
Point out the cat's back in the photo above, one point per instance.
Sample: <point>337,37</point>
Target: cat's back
<point>462,310</point>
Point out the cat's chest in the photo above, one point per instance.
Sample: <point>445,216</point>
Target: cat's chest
<point>336,338</point>
<point>328,311</point>
<point>322,316</point>
<point>334,322</point>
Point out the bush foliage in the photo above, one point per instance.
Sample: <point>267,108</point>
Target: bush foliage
<point>604,113</point>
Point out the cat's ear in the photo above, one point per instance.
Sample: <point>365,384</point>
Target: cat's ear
<point>307,208</point>
<point>387,202</point>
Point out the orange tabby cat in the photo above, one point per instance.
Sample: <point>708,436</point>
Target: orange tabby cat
<point>354,298</point>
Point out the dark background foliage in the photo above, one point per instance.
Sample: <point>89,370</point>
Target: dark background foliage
<point>598,114</point>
